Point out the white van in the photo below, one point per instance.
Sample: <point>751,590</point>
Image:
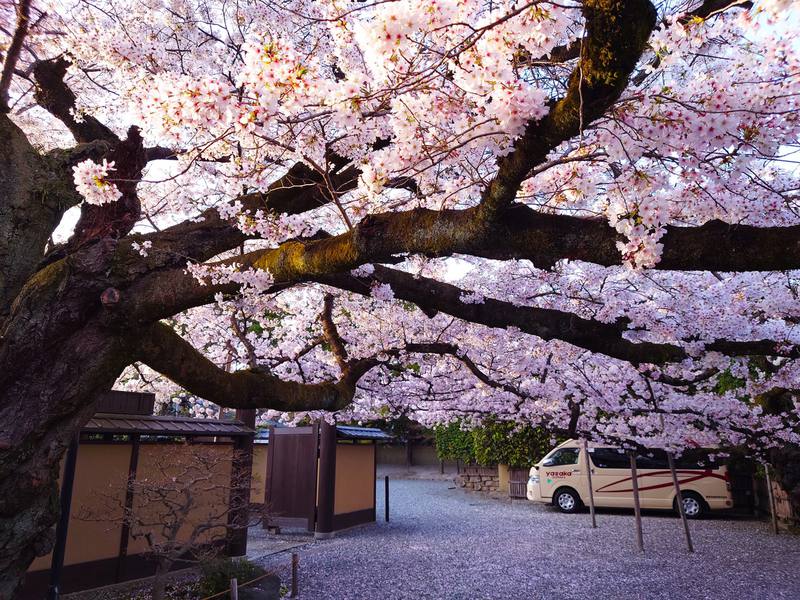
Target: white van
<point>560,478</point>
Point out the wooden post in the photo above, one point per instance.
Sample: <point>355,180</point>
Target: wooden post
<point>294,575</point>
<point>679,501</point>
<point>386,498</point>
<point>57,563</point>
<point>327,480</point>
<point>771,497</point>
<point>637,509</point>
<point>591,488</point>
<point>241,478</point>
<point>266,521</point>
<point>234,589</point>
<point>124,535</point>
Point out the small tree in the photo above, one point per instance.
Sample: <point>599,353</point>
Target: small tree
<point>182,506</point>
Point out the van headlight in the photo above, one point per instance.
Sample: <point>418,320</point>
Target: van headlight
<point>533,480</point>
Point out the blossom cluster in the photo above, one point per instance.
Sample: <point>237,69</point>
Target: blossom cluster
<point>91,182</point>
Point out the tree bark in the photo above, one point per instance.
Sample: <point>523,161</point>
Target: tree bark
<point>158,589</point>
<point>55,358</point>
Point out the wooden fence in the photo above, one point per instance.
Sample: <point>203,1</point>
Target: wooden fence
<point>518,483</point>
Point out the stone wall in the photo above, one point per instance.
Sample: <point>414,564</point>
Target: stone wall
<point>479,479</point>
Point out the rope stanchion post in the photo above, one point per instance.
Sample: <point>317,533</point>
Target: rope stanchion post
<point>386,498</point>
<point>234,589</point>
<point>294,575</point>
<point>229,591</point>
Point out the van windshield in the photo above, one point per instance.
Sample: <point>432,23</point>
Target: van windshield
<point>562,456</point>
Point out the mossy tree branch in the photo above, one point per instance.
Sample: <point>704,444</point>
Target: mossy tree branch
<point>616,36</point>
<point>162,349</point>
<point>150,301</point>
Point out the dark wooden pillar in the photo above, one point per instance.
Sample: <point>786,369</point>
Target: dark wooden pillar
<point>266,508</point>
<point>241,482</point>
<point>57,563</point>
<point>126,526</point>
<point>374,481</point>
<point>327,480</point>
<point>637,508</point>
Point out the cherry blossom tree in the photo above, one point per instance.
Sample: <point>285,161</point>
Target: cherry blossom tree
<point>577,214</point>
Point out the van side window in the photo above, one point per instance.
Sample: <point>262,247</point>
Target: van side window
<point>563,456</point>
<point>695,458</point>
<point>609,458</point>
<point>652,459</point>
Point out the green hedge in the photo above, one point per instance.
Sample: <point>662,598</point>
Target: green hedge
<point>454,443</point>
<point>494,442</point>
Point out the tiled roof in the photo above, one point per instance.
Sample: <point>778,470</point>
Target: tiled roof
<point>153,425</point>
<point>362,433</point>
<point>347,432</point>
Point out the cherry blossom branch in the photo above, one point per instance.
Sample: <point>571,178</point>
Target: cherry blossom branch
<point>709,8</point>
<point>603,338</point>
<point>300,190</point>
<point>547,324</point>
<point>172,291</point>
<point>14,50</point>
<point>444,349</point>
<point>522,233</point>
<point>241,335</point>
<point>53,94</point>
<point>163,350</point>
<point>616,37</point>
<point>332,335</point>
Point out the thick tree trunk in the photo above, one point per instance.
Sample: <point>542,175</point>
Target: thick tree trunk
<point>45,410</point>
<point>158,589</point>
<point>56,356</point>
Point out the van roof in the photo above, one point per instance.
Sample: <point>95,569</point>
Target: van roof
<point>573,443</point>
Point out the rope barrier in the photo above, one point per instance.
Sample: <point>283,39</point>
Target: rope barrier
<point>241,585</point>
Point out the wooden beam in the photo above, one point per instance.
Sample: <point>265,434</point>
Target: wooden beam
<point>124,536</point>
<point>327,480</point>
<point>241,481</point>
<point>57,563</point>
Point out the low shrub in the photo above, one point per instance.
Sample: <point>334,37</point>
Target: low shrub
<point>216,574</point>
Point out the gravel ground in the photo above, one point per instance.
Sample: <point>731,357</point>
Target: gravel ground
<point>448,543</point>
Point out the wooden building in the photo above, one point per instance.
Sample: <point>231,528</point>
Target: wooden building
<point>320,477</point>
<point>123,443</point>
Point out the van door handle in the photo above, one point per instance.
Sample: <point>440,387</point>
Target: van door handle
<point>576,470</point>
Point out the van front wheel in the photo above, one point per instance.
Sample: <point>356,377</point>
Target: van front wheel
<point>694,506</point>
<point>567,500</point>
